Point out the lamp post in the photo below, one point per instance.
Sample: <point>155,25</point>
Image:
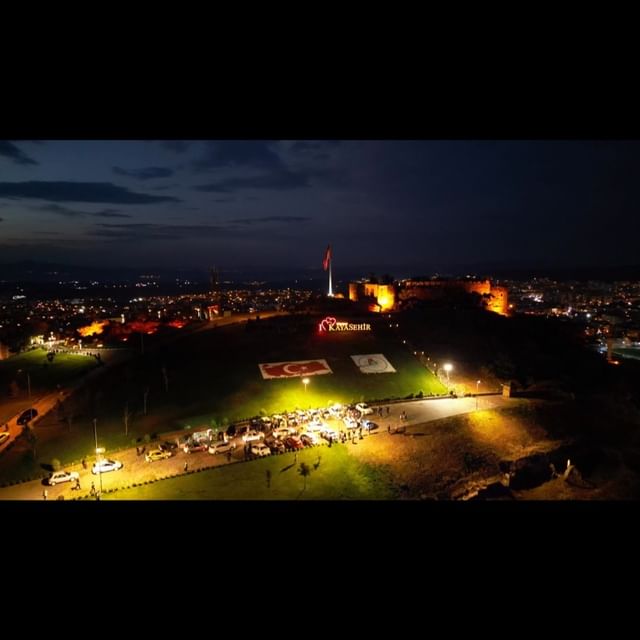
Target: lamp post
<point>28,381</point>
<point>99,450</point>
<point>447,367</point>
<point>477,390</point>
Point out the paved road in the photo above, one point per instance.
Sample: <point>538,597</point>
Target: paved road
<point>136,469</point>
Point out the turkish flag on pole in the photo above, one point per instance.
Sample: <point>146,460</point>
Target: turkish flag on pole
<point>327,257</point>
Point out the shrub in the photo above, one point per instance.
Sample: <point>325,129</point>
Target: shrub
<point>147,438</point>
<point>419,394</point>
<point>55,464</point>
<point>134,441</point>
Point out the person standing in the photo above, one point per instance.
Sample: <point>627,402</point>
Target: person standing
<point>45,493</point>
<point>186,467</point>
<point>84,463</point>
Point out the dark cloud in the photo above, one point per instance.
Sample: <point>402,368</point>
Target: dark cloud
<point>151,231</point>
<point>178,146</point>
<point>9,150</point>
<point>74,213</point>
<point>78,192</point>
<point>146,173</point>
<point>111,213</point>
<point>286,219</point>
<point>238,153</point>
<point>313,145</point>
<point>1,219</point>
<point>278,180</point>
<point>59,210</point>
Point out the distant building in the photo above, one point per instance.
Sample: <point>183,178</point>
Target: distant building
<point>496,298</point>
<point>388,297</point>
<point>383,296</point>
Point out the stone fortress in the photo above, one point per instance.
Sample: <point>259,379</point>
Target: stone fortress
<point>390,297</point>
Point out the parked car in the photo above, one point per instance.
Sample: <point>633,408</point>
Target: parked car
<point>157,454</point>
<point>336,410</point>
<point>369,425</point>
<point>252,436</point>
<point>316,425</point>
<point>104,466</point>
<point>260,449</point>
<point>27,416</point>
<point>194,447</point>
<point>221,447</point>
<point>330,434</point>
<point>364,408</point>
<point>4,436</point>
<point>276,446</point>
<point>350,423</point>
<point>171,447</point>
<point>309,439</point>
<point>293,442</point>
<point>62,476</point>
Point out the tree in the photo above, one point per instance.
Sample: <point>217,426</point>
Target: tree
<point>305,471</point>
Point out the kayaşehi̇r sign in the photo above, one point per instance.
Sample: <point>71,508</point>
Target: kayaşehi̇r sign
<point>331,324</point>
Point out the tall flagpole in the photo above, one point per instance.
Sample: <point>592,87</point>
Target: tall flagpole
<point>330,286</point>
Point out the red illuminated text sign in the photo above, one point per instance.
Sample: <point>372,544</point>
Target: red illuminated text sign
<point>331,324</point>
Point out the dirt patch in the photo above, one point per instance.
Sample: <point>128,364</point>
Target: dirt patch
<point>441,459</point>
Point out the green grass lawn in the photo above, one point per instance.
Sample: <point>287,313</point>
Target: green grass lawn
<point>212,376</point>
<point>339,476</point>
<point>44,375</point>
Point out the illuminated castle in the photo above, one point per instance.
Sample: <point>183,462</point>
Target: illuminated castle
<point>383,295</point>
<point>387,297</point>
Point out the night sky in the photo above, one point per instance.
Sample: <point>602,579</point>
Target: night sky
<point>381,204</point>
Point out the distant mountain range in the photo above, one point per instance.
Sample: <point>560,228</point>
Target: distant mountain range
<point>34,271</point>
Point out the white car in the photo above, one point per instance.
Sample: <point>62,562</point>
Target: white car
<point>104,466</point>
<point>309,438</point>
<point>260,449</point>
<point>316,425</point>
<point>252,436</point>
<point>336,410</point>
<point>62,476</point>
<point>283,432</point>
<point>364,408</point>
<point>4,436</point>
<point>221,447</point>
<point>350,423</point>
<point>330,434</point>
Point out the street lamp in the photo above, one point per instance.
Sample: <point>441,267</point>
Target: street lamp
<point>477,390</point>
<point>28,381</point>
<point>305,382</point>
<point>99,450</point>
<point>447,367</point>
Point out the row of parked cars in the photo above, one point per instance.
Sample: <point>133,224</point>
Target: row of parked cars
<point>102,466</point>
